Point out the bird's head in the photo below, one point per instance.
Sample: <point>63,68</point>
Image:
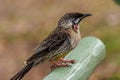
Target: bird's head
<point>71,20</point>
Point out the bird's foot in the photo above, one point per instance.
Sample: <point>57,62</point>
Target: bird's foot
<point>61,63</point>
<point>58,64</point>
<point>66,61</point>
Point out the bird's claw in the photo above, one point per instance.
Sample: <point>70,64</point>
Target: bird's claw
<point>67,61</point>
<point>62,63</point>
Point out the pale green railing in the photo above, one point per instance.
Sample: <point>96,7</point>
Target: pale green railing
<point>88,54</point>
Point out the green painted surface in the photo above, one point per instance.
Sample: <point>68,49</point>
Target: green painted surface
<point>88,54</point>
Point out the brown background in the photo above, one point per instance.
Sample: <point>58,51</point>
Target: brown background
<point>25,23</point>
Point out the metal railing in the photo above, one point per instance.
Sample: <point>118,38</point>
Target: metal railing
<point>88,54</point>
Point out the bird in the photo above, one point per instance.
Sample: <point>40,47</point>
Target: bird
<point>64,38</point>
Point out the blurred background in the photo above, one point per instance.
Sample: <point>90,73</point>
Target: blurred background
<point>25,23</point>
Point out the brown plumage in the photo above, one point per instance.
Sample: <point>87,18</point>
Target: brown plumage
<point>58,43</point>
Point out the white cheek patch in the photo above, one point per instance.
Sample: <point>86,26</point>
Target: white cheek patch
<point>77,21</point>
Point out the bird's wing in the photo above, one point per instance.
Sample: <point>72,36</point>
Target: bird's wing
<point>59,50</point>
<point>51,44</point>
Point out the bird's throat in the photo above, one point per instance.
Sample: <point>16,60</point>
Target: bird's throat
<point>75,28</point>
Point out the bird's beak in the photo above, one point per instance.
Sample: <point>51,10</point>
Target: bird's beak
<point>85,15</point>
<point>79,19</point>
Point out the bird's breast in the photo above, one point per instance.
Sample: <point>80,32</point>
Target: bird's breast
<point>75,38</point>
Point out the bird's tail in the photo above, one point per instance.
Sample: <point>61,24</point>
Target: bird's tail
<point>22,72</point>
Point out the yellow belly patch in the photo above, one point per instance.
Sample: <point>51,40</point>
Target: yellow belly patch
<point>60,56</point>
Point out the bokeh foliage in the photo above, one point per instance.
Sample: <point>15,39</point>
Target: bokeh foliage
<point>117,1</point>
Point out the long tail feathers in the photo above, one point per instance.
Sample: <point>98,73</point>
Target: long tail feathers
<point>22,72</point>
